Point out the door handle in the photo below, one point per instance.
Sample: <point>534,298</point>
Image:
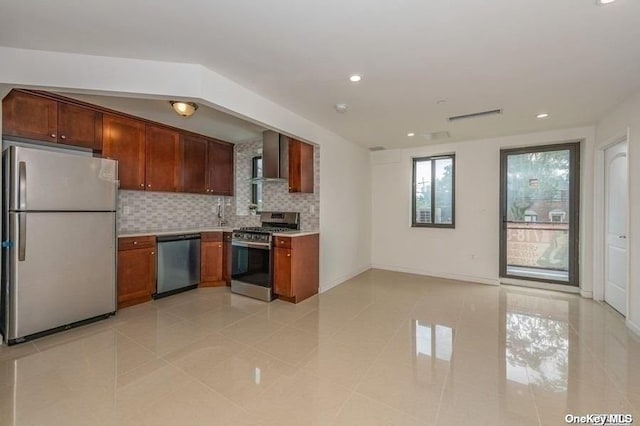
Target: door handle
<point>22,185</point>
<point>22,236</point>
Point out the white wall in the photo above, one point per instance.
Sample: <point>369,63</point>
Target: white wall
<point>625,119</point>
<point>345,196</point>
<point>471,250</point>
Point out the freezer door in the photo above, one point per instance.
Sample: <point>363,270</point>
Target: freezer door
<point>51,181</point>
<point>61,269</point>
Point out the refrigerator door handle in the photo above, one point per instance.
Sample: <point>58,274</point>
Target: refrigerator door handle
<point>22,185</point>
<point>22,236</point>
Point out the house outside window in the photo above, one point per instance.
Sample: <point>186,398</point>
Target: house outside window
<point>433,197</point>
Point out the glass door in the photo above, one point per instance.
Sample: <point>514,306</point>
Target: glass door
<point>539,200</point>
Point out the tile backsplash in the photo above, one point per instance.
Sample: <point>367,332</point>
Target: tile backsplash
<point>276,196</point>
<point>165,211</point>
<point>141,211</point>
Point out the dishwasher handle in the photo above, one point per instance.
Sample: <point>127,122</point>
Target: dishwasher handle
<point>167,238</point>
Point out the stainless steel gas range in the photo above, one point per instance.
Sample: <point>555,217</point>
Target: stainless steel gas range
<point>252,260</point>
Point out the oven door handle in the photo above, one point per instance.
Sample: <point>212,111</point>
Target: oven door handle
<point>261,246</point>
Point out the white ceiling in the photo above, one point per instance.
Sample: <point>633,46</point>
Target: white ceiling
<point>570,58</point>
<point>206,121</point>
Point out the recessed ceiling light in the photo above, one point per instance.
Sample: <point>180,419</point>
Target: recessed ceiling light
<point>411,134</point>
<point>603,2</point>
<point>542,115</point>
<point>355,78</point>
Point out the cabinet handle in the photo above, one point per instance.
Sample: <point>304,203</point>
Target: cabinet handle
<point>53,135</point>
<point>153,252</point>
<point>135,242</point>
<point>63,137</point>
<point>288,254</point>
<point>220,245</point>
<point>142,185</point>
<point>149,185</point>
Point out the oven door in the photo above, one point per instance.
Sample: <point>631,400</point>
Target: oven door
<point>251,263</point>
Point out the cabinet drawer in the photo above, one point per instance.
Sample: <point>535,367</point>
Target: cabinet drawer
<point>131,243</point>
<point>211,237</point>
<point>283,242</point>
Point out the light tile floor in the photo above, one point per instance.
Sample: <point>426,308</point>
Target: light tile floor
<point>384,348</point>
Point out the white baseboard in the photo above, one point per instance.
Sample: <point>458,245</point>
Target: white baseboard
<point>457,277</point>
<point>586,294</point>
<point>633,327</point>
<point>331,284</point>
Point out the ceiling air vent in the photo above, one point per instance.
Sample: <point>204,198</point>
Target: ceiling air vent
<point>436,135</point>
<point>476,114</point>
<point>376,148</point>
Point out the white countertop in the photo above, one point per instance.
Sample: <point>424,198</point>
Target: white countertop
<point>174,232</point>
<point>295,233</point>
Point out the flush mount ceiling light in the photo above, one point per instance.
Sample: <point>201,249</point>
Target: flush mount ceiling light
<point>411,134</point>
<point>355,78</point>
<point>185,109</point>
<point>542,115</point>
<point>341,108</point>
<point>603,2</point>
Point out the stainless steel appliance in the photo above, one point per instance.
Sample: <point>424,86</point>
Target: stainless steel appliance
<point>59,248</point>
<point>252,260</point>
<point>178,263</point>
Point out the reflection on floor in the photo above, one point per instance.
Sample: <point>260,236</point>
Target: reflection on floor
<point>384,348</point>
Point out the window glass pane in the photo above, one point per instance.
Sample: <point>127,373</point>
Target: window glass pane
<point>256,187</point>
<point>423,191</point>
<point>443,212</point>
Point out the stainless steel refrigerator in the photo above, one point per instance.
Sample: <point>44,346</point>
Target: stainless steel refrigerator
<point>59,236</point>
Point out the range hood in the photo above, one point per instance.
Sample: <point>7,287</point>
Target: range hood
<point>275,157</point>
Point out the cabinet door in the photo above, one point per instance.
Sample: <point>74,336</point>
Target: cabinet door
<point>300,166</point>
<point>162,159</point>
<point>211,263</point>
<point>123,140</point>
<point>79,126</point>
<point>136,276</point>
<point>220,168</point>
<point>29,116</point>
<point>194,164</point>
<point>282,272</point>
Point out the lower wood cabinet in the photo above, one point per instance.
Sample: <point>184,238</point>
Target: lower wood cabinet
<point>211,259</point>
<point>296,267</point>
<point>136,270</point>
<point>226,257</point>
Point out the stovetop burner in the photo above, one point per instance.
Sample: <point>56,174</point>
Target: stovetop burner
<point>265,229</point>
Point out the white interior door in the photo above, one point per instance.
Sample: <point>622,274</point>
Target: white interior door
<point>616,210</point>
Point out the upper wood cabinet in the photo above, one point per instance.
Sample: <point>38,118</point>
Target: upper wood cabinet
<point>150,156</point>
<point>79,126</point>
<point>220,168</point>
<point>194,164</point>
<point>124,140</point>
<point>162,159</point>
<point>31,116</point>
<point>300,166</point>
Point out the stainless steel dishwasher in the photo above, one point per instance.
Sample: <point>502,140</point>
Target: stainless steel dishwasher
<point>178,263</point>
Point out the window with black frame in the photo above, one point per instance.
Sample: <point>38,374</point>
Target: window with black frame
<point>256,186</point>
<point>433,198</point>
